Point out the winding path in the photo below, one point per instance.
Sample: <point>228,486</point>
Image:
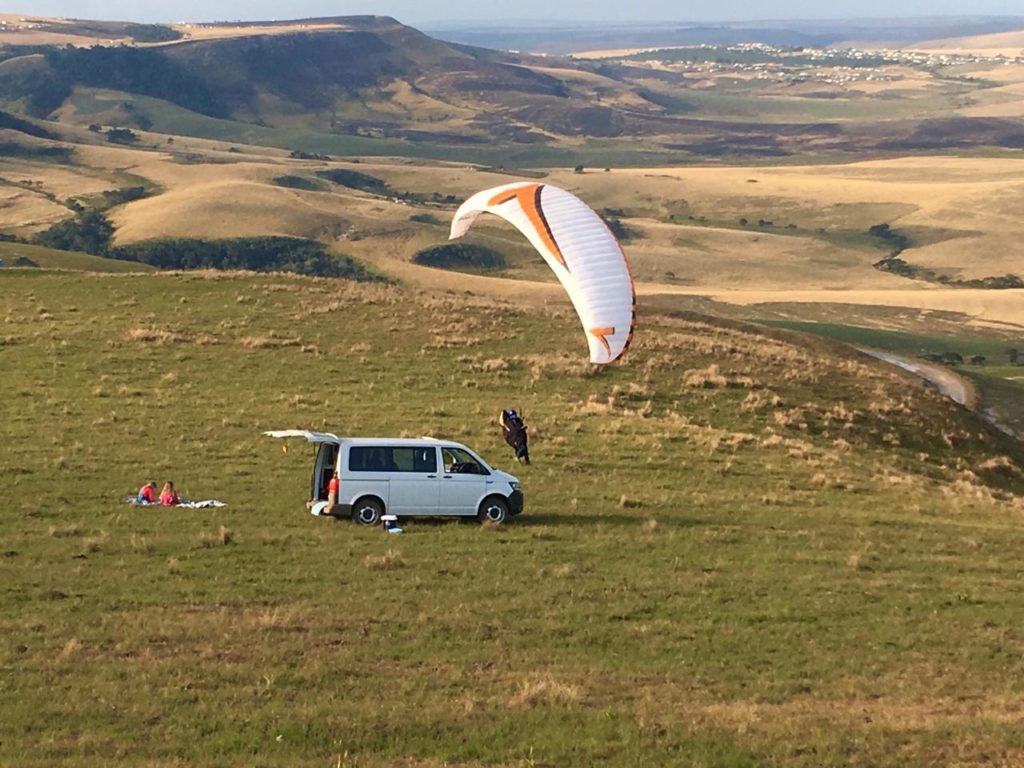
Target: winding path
<point>944,380</point>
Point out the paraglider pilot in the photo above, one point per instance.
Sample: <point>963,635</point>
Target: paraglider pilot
<point>514,431</point>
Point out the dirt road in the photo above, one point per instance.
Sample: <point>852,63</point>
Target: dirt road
<point>944,380</point>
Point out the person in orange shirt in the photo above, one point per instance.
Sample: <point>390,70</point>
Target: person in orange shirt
<point>147,493</point>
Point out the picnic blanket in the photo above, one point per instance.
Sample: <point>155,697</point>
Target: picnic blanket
<point>186,503</point>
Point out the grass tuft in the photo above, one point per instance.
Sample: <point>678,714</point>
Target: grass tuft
<point>387,561</point>
<point>219,538</point>
<point>545,691</point>
<point>69,650</point>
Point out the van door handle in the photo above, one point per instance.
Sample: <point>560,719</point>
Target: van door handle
<point>447,477</point>
<point>432,477</point>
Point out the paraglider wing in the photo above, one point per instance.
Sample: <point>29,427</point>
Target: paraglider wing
<point>578,247</point>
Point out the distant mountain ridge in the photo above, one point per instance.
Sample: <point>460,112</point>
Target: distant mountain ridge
<point>265,79</point>
<point>371,84</point>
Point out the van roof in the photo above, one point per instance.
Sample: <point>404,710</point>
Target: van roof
<point>394,440</point>
<point>328,437</point>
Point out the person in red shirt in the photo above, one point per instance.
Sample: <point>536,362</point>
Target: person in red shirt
<point>333,486</point>
<point>147,493</point>
<point>168,496</point>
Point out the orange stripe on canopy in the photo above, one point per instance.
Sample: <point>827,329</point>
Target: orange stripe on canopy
<point>601,334</point>
<point>529,198</point>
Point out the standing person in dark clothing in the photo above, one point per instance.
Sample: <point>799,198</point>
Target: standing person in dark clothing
<point>514,431</point>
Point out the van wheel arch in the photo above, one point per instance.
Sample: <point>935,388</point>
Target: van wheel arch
<point>493,509</point>
<point>367,510</point>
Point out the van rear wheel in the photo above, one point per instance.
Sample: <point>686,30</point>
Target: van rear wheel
<point>367,511</point>
<point>494,509</point>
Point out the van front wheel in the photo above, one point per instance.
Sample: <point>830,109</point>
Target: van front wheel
<point>367,512</point>
<point>494,509</point>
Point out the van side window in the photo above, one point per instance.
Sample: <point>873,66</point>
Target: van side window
<point>381,459</point>
<point>424,460</point>
<point>369,459</point>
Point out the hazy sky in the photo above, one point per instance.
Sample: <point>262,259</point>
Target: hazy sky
<point>425,12</point>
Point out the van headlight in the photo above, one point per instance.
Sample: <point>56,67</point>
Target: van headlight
<point>514,485</point>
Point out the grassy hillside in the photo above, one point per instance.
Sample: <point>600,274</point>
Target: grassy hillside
<point>51,258</point>
<point>740,547</point>
<point>995,365</point>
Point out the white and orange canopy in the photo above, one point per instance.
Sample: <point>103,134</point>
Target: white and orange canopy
<point>578,247</point>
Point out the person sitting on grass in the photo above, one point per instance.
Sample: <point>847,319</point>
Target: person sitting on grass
<point>168,496</point>
<point>147,493</point>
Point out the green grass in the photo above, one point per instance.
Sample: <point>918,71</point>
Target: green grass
<point>714,568</point>
<point>51,258</point>
<point>172,119</point>
<point>742,99</point>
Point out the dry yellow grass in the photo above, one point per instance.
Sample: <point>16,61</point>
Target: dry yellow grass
<point>61,180</point>
<point>996,44</point>
<point>976,199</point>
<point>24,29</point>
<point>993,309</point>
<point>222,31</point>
<point>699,255</point>
<point>24,212</point>
<point>612,53</point>
<point>231,208</point>
<point>544,690</point>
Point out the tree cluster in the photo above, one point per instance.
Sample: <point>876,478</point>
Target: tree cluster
<point>461,256</point>
<point>258,254</point>
<point>90,231</point>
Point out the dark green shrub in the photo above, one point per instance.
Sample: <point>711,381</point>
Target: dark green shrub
<point>258,254</point>
<point>121,136</point>
<point>461,256</point>
<point>298,182</point>
<point>356,180</point>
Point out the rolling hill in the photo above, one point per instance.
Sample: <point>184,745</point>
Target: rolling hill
<point>331,78</point>
<point>1008,43</point>
<point>371,85</point>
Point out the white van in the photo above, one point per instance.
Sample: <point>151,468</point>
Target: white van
<point>406,477</point>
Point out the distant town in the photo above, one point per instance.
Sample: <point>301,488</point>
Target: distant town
<point>835,66</point>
